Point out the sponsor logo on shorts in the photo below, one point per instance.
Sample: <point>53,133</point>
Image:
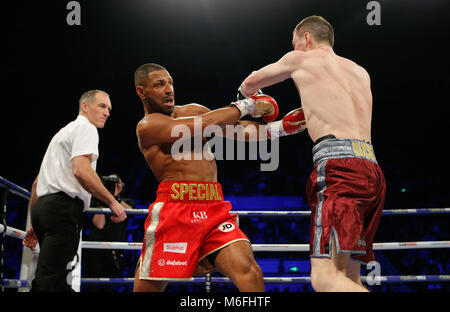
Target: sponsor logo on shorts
<point>163,262</point>
<point>199,216</point>
<point>361,242</point>
<point>226,227</point>
<point>175,247</point>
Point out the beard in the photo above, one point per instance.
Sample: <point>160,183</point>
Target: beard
<point>158,106</point>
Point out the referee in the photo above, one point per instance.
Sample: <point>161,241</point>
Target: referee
<point>63,189</point>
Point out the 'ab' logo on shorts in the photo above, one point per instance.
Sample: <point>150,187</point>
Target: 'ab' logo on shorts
<point>226,227</point>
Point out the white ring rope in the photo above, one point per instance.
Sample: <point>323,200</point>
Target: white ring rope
<point>15,283</point>
<point>285,280</point>
<point>305,213</point>
<point>22,192</point>
<point>278,247</point>
<point>12,232</point>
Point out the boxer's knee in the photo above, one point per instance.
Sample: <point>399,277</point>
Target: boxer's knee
<point>254,272</point>
<point>323,274</point>
<point>249,278</point>
<point>247,270</point>
<point>251,270</point>
<point>354,271</point>
<point>321,281</point>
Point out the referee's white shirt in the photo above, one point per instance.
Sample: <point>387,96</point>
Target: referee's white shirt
<point>79,137</point>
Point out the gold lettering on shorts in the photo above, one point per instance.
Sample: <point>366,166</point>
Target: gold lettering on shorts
<point>195,191</point>
<point>202,195</point>
<point>192,191</point>
<point>218,193</point>
<point>184,189</point>
<point>213,192</point>
<point>356,149</point>
<point>175,191</point>
<point>370,152</point>
<point>362,149</point>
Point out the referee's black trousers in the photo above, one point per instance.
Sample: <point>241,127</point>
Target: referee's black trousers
<point>56,220</point>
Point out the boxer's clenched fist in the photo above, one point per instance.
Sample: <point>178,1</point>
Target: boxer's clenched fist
<point>265,107</point>
<point>258,106</point>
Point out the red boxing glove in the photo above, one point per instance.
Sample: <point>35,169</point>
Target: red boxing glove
<point>265,106</point>
<point>294,122</point>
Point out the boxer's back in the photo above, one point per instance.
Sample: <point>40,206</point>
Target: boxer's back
<point>335,94</point>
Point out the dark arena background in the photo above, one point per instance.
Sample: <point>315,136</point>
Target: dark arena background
<point>209,47</point>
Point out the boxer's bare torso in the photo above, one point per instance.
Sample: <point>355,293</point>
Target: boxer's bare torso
<point>334,91</point>
<point>335,94</point>
<point>336,99</point>
<point>159,157</point>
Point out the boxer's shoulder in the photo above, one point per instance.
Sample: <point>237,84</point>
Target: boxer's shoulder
<point>150,123</point>
<point>192,109</point>
<point>353,67</point>
<point>148,118</point>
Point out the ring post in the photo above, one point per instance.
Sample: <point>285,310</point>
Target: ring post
<point>208,282</point>
<point>29,261</point>
<point>2,237</point>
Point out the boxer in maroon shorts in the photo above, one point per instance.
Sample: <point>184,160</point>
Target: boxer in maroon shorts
<point>346,192</point>
<point>346,189</point>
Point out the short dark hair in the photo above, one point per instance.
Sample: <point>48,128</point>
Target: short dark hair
<point>141,74</point>
<point>319,27</point>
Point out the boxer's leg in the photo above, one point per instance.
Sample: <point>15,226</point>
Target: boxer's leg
<point>354,271</point>
<point>147,285</point>
<point>237,262</point>
<point>331,274</point>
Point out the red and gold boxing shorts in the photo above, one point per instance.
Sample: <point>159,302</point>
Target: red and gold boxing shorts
<point>188,221</point>
<point>346,192</point>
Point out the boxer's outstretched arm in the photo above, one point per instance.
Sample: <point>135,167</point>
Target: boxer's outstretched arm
<point>158,128</point>
<point>246,130</point>
<point>249,130</point>
<point>272,73</point>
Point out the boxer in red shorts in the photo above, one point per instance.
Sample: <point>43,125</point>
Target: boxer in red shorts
<point>189,221</point>
<point>346,190</point>
<point>189,228</point>
<point>184,223</point>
